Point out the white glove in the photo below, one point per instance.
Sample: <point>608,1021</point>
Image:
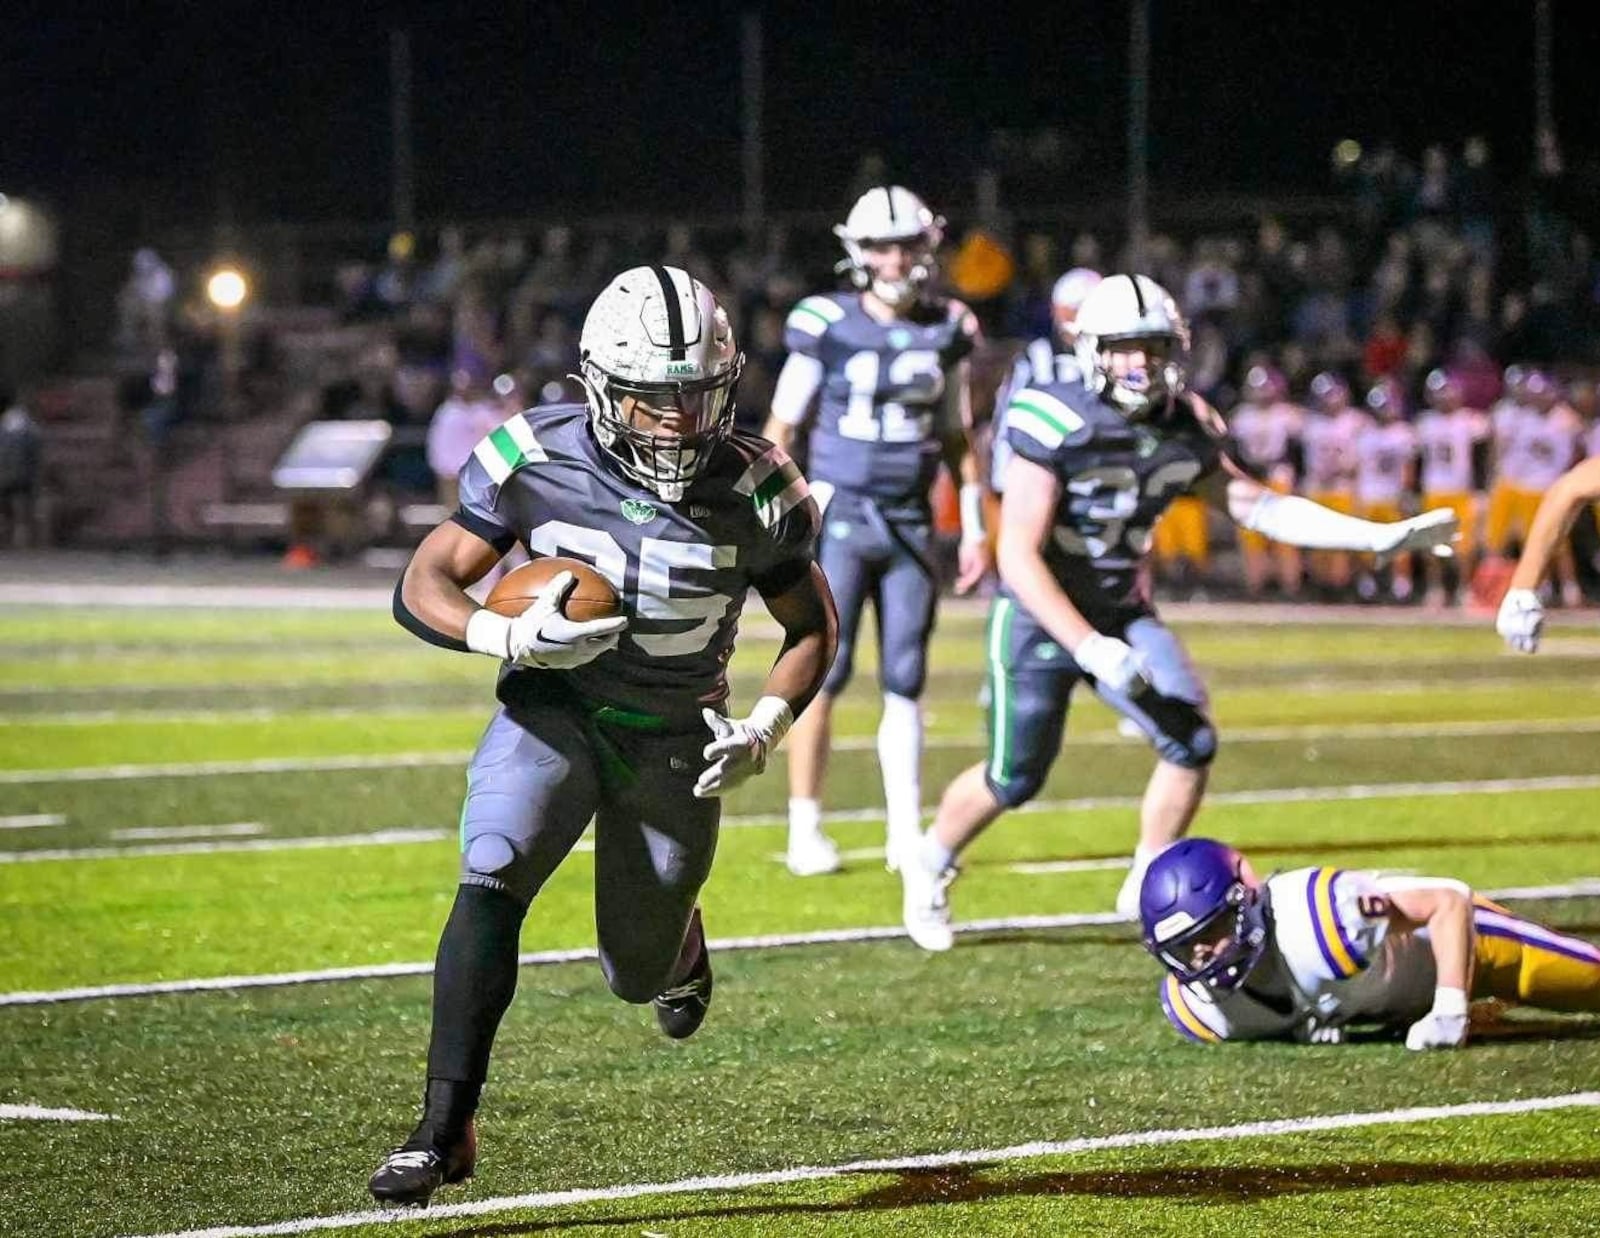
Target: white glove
<point>1311,1032</point>
<point>1520,620</point>
<point>1114,663</point>
<point>542,636</point>
<point>739,747</point>
<point>1443,1027</point>
<point>1434,530</point>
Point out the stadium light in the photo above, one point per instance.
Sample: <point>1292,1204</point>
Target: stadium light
<point>227,289</point>
<point>1347,153</point>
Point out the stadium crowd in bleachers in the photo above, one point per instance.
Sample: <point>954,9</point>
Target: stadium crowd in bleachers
<point>1425,268</point>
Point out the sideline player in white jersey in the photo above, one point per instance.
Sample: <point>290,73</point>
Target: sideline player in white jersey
<point>1308,953</point>
<point>1266,427</point>
<point>886,370</point>
<point>1386,467</point>
<point>1328,453</point>
<point>1453,439</point>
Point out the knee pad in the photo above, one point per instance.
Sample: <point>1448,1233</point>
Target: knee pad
<point>1187,738</point>
<point>1016,790</point>
<point>839,673</point>
<point>904,672</point>
<point>491,861</point>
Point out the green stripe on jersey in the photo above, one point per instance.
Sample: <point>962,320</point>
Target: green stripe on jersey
<point>814,315</point>
<point>777,499</point>
<point>1061,419</point>
<point>507,448</point>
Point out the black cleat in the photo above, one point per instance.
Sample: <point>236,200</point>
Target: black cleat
<point>411,1173</point>
<point>681,1009</point>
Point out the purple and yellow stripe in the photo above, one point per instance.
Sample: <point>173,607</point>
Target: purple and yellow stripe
<point>1338,951</point>
<point>1181,1014</point>
<point>1514,928</point>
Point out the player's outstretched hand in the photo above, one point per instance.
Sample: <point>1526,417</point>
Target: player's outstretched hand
<point>1438,1031</point>
<point>1521,619</point>
<point>739,747</point>
<point>973,563</point>
<point>542,636</point>
<point>1435,530</point>
<point>1313,1032</point>
<point>1114,663</point>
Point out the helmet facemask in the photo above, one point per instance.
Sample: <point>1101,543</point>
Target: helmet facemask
<point>886,216</point>
<point>661,435</point>
<point>1221,949</point>
<point>659,365</point>
<point>1137,392</point>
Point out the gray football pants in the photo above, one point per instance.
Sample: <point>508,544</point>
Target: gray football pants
<point>540,774</point>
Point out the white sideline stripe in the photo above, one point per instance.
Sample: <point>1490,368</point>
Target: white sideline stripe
<point>1583,887</point>
<point>204,769</point>
<point>311,842</point>
<point>538,958</point>
<point>1270,1129</point>
<point>1268,795</point>
<point>38,1113</point>
<point>150,833</point>
<point>32,820</point>
<point>853,743</point>
<point>1033,867</point>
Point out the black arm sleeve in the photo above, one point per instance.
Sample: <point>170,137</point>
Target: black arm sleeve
<point>404,616</point>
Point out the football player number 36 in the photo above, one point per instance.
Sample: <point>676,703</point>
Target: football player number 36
<point>877,410</point>
<point>664,589</point>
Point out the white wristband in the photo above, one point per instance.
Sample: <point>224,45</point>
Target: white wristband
<point>1449,1001</point>
<point>971,497</point>
<point>772,717</point>
<point>489,633</point>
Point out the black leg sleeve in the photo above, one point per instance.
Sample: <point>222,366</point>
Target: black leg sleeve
<point>474,977</point>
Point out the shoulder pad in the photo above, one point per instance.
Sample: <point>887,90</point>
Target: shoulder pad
<point>771,480</point>
<point>1043,417</point>
<point>509,447</point>
<point>812,316</point>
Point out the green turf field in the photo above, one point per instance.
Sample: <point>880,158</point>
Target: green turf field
<point>186,796</point>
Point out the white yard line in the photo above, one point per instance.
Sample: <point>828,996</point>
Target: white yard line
<point>854,743</point>
<point>311,842</point>
<point>1583,887</point>
<point>1272,1129</point>
<point>154,833</point>
<point>210,769</point>
<point>1267,795</point>
<point>32,820</point>
<point>38,1113</point>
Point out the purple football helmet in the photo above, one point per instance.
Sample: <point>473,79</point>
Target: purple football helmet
<point>1202,913</point>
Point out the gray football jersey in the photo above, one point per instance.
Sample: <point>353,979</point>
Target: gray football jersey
<point>681,569</point>
<point>877,430</point>
<point>1116,476</point>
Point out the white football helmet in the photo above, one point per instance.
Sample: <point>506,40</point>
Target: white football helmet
<point>657,338</point>
<point>1066,298</point>
<point>1132,307</point>
<point>890,213</point>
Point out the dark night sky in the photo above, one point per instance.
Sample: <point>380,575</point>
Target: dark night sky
<point>280,111</point>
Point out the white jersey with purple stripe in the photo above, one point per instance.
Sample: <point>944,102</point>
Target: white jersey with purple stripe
<point>878,430</point>
<point>1329,957</point>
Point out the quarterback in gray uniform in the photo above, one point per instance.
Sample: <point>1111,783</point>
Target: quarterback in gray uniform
<point>880,377</point>
<point>1095,465</point>
<point>609,719</point>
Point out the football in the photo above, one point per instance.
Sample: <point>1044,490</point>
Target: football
<point>593,597</point>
